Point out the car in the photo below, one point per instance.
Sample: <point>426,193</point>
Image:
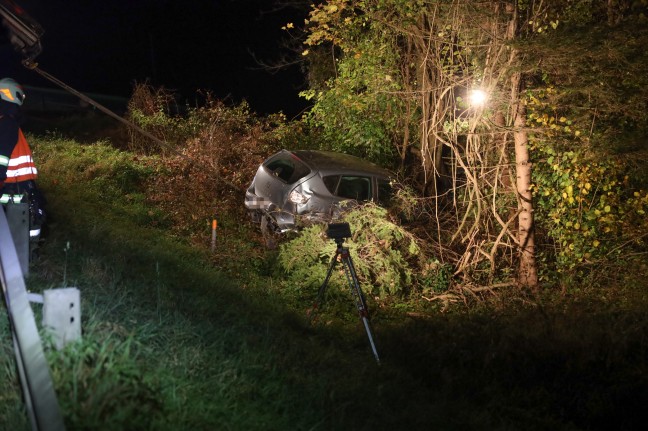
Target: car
<point>295,189</point>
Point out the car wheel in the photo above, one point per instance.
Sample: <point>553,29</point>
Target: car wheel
<point>255,216</point>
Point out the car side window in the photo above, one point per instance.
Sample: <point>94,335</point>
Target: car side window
<point>287,169</point>
<point>358,188</point>
<point>331,183</point>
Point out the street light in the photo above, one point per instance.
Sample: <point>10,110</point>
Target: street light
<point>477,97</point>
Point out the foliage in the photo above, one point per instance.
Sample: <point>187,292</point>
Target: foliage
<point>359,110</point>
<point>435,277</point>
<point>590,53</point>
<point>588,206</point>
<point>384,254</point>
<point>364,99</point>
<point>431,54</point>
<point>152,110</point>
<point>163,324</point>
<point>595,59</point>
<point>204,177</point>
<point>588,110</point>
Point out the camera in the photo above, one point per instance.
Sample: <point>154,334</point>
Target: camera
<point>338,231</point>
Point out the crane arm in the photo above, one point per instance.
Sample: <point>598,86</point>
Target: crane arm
<point>23,31</point>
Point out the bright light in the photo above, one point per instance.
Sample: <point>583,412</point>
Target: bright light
<point>477,97</point>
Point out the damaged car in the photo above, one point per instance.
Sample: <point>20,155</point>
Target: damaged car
<point>294,189</point>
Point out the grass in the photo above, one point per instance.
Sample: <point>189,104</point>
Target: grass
<point>174,341</point>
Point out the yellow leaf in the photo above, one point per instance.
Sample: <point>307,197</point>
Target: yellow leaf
<point>596,243</point>
<point>607,209</point>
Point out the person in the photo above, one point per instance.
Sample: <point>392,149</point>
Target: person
<point>18,172</point>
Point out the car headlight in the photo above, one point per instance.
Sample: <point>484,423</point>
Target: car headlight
<point>297,198</point>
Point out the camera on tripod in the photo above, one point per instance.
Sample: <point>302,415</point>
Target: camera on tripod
<point>338,231</point>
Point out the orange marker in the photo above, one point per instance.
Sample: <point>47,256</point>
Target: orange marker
<point>213,242</point>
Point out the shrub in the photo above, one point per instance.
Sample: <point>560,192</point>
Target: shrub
<point>152,110</point>
<point>384,254</point>
<point>590,211</point>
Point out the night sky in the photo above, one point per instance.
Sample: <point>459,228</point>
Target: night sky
<point>106,46</point>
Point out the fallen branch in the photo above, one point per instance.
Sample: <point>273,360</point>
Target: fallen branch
<point>450,297</point>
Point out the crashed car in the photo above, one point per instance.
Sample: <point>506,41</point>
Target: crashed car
<point>294,189</point>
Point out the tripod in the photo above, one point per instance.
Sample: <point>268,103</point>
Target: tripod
<point>354,286</point>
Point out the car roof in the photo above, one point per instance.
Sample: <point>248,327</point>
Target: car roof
<point>329,162</point>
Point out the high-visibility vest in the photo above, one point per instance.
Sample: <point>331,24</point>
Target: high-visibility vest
<point>21,164</point>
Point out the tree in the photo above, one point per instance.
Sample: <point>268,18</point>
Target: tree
<point>402,72</point>
<point>433,53</point>
<point>587,99</point>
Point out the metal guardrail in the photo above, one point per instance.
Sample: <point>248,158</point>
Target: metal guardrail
<point>35,377</point>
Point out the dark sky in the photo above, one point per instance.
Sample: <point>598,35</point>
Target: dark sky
<point>106,46</point>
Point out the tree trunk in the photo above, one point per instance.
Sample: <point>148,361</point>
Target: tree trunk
<point>528,271</point>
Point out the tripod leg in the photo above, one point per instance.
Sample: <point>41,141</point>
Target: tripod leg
<point>322,289</point>
<point>358,296</point>
<point>365,320</point>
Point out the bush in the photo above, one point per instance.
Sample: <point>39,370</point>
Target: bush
<point>589,210</point>
<point>384,254</point>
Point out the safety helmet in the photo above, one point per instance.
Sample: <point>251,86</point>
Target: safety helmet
<point>11,91</point>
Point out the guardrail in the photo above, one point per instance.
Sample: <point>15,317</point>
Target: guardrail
<point>35,378</point>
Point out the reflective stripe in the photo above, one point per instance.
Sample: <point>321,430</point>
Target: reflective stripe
<point>21,164</point>
<point>29,170</point>
<point>21,160</point>
<point>4,161</point>
<point>6,198</point>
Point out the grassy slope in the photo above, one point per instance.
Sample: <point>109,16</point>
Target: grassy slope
<point>171,343</point>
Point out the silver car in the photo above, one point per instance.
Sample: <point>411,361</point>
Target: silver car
<point>293,189</point>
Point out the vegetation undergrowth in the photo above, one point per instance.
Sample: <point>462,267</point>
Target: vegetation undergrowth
<point>512,298</point>
<point>173,340</point>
